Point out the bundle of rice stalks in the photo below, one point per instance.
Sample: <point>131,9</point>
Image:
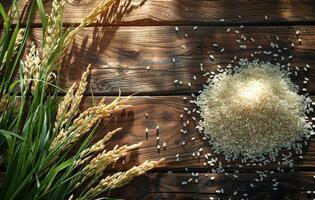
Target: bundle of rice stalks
<point>253,111</point>
<point>39,129</point>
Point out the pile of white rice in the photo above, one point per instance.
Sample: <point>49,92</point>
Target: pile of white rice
<point>253,111</point>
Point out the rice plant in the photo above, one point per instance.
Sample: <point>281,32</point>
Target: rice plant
<point>38,128</point>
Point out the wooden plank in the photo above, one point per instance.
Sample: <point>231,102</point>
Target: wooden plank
<point>165,112</point>
<point>190,196</point>
<point>120,55</point>
<point>169,186</point>
<point>180,12</point>
<point>297,186</point>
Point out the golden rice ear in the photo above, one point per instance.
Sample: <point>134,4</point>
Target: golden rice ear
<point>69,106</point>
<point>83,124</point>
<point>80,91</point>
<point>97,165</point>
<point>18,41</point>
<point>100,145</point>
<point>53,30</point>
<point>32,69</point>
<point>63,113</point>
<point>119,179</point>
<point>91,18</point>
<point>64,105</point>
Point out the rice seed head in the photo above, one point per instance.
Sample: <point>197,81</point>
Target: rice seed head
<point>18,41</point>
<point>53,30</point>
<point>98,146</point>
<point>92,17</point>
<point>63,107</point>
<point>79,93</point>
<point>120,179</point>
<point>84,122</point>
<point>69,106</point>
<point>102,160</point>
<point>37,72</point>
<point>98,164</point>
<point>13,11</point>
<point>32,68</point>
<point>127,176</point>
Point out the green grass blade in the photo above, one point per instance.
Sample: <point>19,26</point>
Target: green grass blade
<point>3,14</point>
<point>6,133</point>
<point>42,13</point>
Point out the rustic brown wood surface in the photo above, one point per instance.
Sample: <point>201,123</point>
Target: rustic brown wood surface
<point>132,47</point>
<point>165,111</point>
<point>159,186</point>
<point>170,12</point>
<point>189,196</point>
<point>167,180</point>
<point>120,55</point>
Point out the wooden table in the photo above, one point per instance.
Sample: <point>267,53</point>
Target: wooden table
<point>139,35</point>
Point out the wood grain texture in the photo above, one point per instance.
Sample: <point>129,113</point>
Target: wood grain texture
<point>257,196</point>
<point>120,55</point>
<point>134,35</point>
<point>165,112</point>
<point>169,186</point>
<point>180,12</point>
